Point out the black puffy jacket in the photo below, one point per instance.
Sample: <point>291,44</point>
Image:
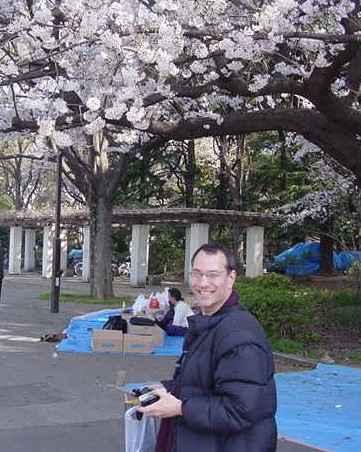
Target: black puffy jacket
<point>227,387</point>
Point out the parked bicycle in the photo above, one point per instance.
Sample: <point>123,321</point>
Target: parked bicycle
<point>124,269</point>
<point>78,268</point>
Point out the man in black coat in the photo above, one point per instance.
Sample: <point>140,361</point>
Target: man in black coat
<point>223,395</point>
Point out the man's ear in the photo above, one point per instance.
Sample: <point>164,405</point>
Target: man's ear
<point>232,276</point>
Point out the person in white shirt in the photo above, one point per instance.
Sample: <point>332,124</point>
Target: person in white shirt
<point>175,322</point>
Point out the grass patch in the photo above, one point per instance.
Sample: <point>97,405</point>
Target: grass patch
<point>285,346</point>
<point>344,308</point>
<point>88,299</point>
<point>354,355</point>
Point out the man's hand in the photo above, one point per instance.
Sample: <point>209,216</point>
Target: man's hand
<point>166,406</point>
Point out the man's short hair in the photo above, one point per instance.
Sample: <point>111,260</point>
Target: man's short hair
<point>214,248</point>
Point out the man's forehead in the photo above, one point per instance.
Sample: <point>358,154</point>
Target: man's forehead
<point>212,258</point>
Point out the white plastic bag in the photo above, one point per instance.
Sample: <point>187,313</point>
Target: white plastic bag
<point>140,436</point>
<point>163,298</point>
<point>140,304</point>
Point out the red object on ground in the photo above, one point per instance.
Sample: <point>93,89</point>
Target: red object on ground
<point>154,303</point>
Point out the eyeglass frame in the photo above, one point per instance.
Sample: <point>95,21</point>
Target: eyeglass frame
<point>211,274</point>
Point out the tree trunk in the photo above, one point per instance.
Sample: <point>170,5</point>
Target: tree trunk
<point>100,233</point>
<point>326,248</point>
<point>190,171</point>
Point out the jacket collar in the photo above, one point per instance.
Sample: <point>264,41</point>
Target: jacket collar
<point>199,323</point>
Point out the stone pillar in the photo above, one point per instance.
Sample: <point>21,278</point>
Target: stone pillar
<point>16,234</point>
<point>254,251</point>
<point>63,251</point>
<point>48,239</point>
<point>196,236</point>
<point>139,255</point>
<point>86,254</point>
<point>187,256</point>
<point>29,250</point>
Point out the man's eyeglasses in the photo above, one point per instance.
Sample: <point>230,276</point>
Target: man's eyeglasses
<point>211,275</point>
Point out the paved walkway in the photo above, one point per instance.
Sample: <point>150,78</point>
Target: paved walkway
<point>65,402</point>
<point>53,401</point>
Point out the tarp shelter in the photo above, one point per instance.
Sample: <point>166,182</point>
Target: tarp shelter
<point>305,259</point>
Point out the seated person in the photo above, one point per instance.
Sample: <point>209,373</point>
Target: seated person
<point>174,322</point>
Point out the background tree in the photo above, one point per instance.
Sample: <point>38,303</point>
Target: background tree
<point>22,172</point>
<point>125,77</point>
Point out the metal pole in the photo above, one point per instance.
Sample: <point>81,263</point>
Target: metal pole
<point>56,271</point>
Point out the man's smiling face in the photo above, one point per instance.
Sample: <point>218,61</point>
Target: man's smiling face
<point>210,280</point>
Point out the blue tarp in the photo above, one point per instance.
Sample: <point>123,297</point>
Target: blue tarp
<point>321,407</point>
<point>305,258</point>
<point>75,253</point>
<point>79,334</point>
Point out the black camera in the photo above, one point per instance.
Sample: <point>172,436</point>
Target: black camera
<point>145,398</point>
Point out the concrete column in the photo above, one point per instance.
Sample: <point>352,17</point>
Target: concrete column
<point>16,234</point>
<point>29,250</point>
<point>187,256</point>
<point>86,254</point>
<point>63,251</point>
<point>196,236</point>
<point>48,239</point>
<point>139,255</point>
<point>254,251</point>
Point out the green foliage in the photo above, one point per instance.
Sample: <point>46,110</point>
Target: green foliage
<point>286,346</point>
<point>166,255</point>
<point>222,234</point>
<point>344,308</point>
<point>4,236</point>
<point>354,273</point>
<point>5,202</point>
<point>354,355</point>
<point>344,298</point>
<point>120,239</point>
<point>285,311</point>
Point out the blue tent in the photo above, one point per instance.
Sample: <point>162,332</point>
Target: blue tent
<point>75,253</point>
<point>305,259</point>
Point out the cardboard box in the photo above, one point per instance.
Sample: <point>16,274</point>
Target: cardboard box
<point>113,341</point>
<point>154,331</point>
<point>140,329</point>
<point>108,341</point>
<point>138,343</point>
<point>158,337</point>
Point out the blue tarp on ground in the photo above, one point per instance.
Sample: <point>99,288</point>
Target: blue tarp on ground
<point>79,334</point>
<point>305,258</point>
<point>321,407</point>
<point>79,330</point>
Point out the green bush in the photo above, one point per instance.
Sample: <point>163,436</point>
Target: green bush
<point>286,312</point>
<point>344,308</point>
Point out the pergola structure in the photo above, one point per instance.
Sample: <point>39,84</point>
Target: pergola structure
<point>196,222</point>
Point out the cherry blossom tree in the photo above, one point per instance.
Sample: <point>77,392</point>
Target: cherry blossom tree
<point>106,81</point>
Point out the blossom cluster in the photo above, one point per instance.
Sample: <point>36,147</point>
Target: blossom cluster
<point>120,66</point>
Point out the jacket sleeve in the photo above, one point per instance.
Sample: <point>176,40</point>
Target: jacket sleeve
<point>243,394</point>
<point>174,330</point>
<point>168,318</point>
